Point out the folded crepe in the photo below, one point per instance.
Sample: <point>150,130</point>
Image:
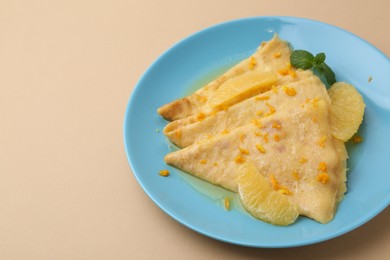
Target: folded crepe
<point>192,129</point>
<point>269,65</point>
<point>294,148</point>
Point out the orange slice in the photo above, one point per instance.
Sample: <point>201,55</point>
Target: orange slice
<point>261,201</point>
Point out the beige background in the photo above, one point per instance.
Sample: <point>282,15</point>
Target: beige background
<point>67,69</point>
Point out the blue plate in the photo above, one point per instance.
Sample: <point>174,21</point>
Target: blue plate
<point>205,54</point>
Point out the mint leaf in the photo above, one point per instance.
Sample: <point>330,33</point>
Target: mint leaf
<point>302,59</point>
<point>319,58</point>
<point>328,73</point>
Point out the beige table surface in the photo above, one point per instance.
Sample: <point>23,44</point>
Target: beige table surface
<point>67,69</point>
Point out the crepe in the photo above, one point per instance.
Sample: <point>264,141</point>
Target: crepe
<point>293,148</point>
<point>186,131</point>
<point>270,61</point>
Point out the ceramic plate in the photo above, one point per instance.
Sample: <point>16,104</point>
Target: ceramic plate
<point>206,54</point>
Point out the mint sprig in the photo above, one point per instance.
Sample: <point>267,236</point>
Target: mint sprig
<point>302,59</point>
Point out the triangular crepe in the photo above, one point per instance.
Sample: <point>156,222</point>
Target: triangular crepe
<point>186,131</point>
<point>271,60</point>
<point>294,149</point>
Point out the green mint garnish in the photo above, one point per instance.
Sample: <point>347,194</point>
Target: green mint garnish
<point>302,59</point>
<point>327,72</point>
<point>319,58</point>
